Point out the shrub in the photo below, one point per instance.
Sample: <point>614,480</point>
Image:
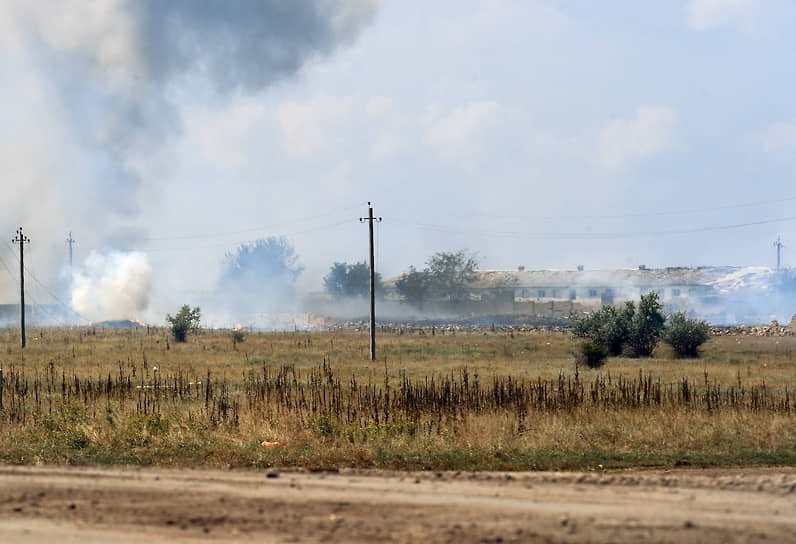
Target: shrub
<point>645,326</point>
<point>185,320</point>
<point>238,336</point>
<point>686,335</point>
<point>626,331</point>
<point>592,355</point>
<point>607,327</point>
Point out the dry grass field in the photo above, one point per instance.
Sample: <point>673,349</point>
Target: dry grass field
<point>455,400</point>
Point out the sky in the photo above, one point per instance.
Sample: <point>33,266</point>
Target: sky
<point>541,133</point>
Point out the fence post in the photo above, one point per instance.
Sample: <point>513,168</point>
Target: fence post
<point>1,388</point>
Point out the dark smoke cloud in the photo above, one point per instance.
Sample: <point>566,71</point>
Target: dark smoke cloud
<point>114,75</point>
<point>246,44</point>
<point>105,75</point>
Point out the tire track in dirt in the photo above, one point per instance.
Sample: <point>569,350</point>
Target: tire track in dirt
<point>65,504</point>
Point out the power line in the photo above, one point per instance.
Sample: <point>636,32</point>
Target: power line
<point>698,210</point>
<point>378,245</point>
<point>49,291</point>
<point>252,241</point>
<point>686,211</point>
<point>252,229</point>
<point>28,270</point>
<point>595,235</point>
<point>5,265</point>
<point>44,309</point>
<point>55,297</point>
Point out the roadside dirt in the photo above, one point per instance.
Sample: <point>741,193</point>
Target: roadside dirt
<point>90,505</point>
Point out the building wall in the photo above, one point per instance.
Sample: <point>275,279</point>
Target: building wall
<point>547,309</point>
<point>608,295</point>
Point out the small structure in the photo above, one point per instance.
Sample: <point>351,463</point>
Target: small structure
<point>720,294</point>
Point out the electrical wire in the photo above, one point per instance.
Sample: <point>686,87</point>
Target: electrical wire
<point>55,297</point>
<point>42,309</point>
<point>252,229</point>
<point>592,235</point>
<point>5,265</point>
<point>378,245</point>
<point>686,211</point>
<point>252,241</point>
<point>29,273</point>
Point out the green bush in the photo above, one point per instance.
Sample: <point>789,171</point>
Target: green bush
<point>686,335</point>
<point>607,327</point>
<point>592,355</point>
<point>646,326</point>
<point>238,336</point>
<point>629,331</point>
<point>185,320</point>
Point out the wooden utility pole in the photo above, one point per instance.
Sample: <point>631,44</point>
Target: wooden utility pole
<point>21,239</point>
<point>370,219</point>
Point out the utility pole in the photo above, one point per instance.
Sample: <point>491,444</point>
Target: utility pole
<point>21,239</point>
<point>370,219</point>
<point>779,245</point>
<point>69,241</point>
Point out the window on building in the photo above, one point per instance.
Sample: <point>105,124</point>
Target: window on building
<point>592,292</point>
<point>540,293</point>
<point>572,294</point>
<point>675,292</point>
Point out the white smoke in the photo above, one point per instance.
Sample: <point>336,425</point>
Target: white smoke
<point>112,286</point>
<point>93,93</point>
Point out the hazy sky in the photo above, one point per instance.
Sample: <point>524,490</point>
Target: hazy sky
<point>543,133</point>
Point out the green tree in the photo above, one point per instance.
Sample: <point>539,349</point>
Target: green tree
<point>351,280</point>
<point>185,320</point>
<point>629,331</point>
<point>414,286</point>
<point>608,327</point>
<point>686,335</point>
<point>450,273</point>
<point>646,325</point>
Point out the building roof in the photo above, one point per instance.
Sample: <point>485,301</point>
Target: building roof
<point>717,276</point>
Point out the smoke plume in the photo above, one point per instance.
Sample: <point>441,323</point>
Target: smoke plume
<point>94,91</point>
<point>112,286</point>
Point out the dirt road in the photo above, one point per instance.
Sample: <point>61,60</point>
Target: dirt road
<point>46,504</point>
